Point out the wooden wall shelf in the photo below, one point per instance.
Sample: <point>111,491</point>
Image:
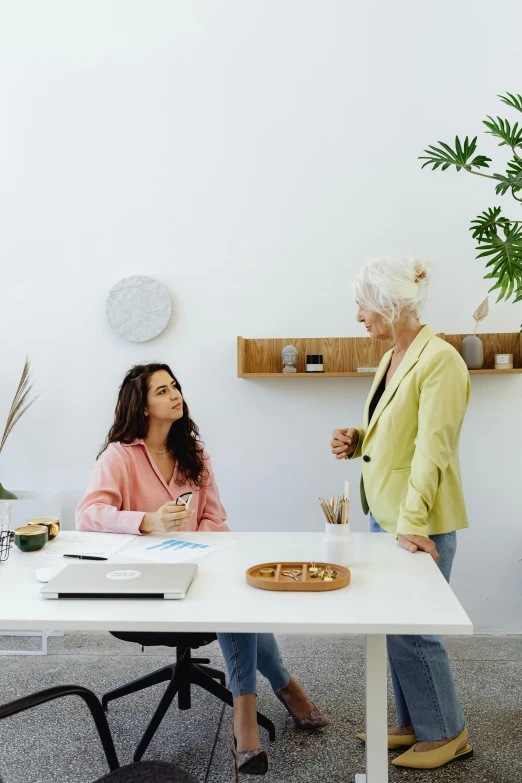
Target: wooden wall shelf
<point>342,355</point>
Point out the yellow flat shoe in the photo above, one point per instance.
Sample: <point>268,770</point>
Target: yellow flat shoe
<point>395,740</point>
<point>431,759</point>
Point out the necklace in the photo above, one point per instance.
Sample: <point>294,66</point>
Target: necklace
<point>159,453</point>
<point>403,349</point>
<point>406,346</point>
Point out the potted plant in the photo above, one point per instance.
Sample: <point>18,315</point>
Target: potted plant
<point>499,238</point>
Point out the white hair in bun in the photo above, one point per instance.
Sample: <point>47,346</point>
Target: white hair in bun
<point>396,288</point>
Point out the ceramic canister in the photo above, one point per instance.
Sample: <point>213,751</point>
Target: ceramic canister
<point>314,362</point>
<point>31,537</point>
<point>503,361</point>
<point>51,523</point>
<point>472,351</point>
<point>337,545</point>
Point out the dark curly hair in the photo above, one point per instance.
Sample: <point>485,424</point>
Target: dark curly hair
<point>130,423</point>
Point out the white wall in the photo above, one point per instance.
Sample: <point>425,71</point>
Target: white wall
<point>249,155</point>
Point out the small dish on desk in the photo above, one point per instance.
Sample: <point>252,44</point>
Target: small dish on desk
<point>298,577</point>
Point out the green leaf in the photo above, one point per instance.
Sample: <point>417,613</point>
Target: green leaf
<point>486,224</point>
<point>515,101</point>
<point>512,136</point>
<point>458,147</point>
<point>504,253</point>
<point>460,157</point>
<point>514,172</point>
<point>511,182</point>
<point>514,166</point>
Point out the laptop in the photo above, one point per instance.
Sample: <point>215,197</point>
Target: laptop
<point>111,580</point>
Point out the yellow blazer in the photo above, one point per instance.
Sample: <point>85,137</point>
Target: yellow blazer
<point>411,474</point>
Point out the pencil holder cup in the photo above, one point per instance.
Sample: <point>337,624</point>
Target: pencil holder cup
<point>337,544</point>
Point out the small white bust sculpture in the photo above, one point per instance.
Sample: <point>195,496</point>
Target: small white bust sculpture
<point>289,358</point>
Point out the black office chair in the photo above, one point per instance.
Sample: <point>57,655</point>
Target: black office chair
<point>145,772</point>
<point>185,672</point>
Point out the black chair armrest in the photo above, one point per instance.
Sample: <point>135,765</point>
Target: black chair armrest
<point>41,697</point>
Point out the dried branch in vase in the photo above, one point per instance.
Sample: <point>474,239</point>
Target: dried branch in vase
<point>481,312</point>
<point>20,404</point>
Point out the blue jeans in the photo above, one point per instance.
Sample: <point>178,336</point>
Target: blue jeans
<point>247,653</point>
<point>425,694</point>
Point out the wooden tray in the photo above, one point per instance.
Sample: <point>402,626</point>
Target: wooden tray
<point>305,584</point>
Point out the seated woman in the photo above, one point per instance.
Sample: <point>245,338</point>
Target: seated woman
<point>152,454</point>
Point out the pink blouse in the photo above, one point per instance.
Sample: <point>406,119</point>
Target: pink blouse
<point>125,484</point>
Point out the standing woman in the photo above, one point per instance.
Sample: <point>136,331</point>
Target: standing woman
<point>153,454</point>
<point>412,488</point>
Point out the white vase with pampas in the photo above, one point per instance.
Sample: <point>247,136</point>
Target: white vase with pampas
<point>19,406</point>
<point>472,349</point>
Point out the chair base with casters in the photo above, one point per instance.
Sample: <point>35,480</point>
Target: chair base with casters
<point>187,671</point>
<point>145,772</point>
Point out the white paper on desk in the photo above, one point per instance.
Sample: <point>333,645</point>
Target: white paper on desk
<point>91,544</point>
<point>184,546</point>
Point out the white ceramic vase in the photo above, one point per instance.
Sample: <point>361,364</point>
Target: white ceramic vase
<point>472,352</point>
<point>337,544</point>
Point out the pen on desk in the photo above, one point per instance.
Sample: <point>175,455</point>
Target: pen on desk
<point>85,557</point>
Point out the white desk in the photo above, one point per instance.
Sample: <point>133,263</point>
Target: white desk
<point>392,591</point>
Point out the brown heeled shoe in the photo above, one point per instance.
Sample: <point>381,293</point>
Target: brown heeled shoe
<point>314,719</point>
<point>248,762</point>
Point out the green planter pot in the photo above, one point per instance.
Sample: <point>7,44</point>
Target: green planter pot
<point>6,495</point>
